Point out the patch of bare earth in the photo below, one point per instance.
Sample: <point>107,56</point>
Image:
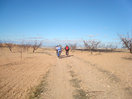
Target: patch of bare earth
<point>18,77</point>
<point>59,86</point>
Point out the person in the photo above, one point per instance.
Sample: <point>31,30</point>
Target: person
<point>58,50</point>
<point>67,50</point>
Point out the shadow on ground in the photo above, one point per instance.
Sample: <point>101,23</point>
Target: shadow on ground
<point>127,58</point>
<point>100,50</point>
<point>44,53</point>
<point>64,56</point>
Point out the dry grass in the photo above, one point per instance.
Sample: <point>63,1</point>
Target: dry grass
<point>36,92</point>
<point>79,93</point>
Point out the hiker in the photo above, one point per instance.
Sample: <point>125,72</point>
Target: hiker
<point>58,50</point>
<point>67,50</point>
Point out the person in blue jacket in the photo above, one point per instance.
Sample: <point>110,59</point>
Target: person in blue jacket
<point>58,50</point>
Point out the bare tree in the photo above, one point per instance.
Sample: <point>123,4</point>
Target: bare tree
<point>73,46</point>
<point>109,46</point>
<point>91,44</point>
<point>21,47</point>
<point>127,42</point>
<point>1,44</point>
<point>10,46</point>
<point>36,45</point>
<point>26,46</point>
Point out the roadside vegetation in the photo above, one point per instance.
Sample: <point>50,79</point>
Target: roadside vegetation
<point>89,45</point>
<point>127,41</point>
<point>37,91</point>
<point>22,47</point>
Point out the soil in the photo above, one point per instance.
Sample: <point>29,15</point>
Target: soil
<point>81,75</point>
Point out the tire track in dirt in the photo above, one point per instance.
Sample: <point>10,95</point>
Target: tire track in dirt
<point>96,82</point>
<point>109,74</point>
<point>59,86</point>
<point>78,93</point>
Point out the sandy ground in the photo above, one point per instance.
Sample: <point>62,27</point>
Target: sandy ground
<point>18,76</point>
<point>79,76</point>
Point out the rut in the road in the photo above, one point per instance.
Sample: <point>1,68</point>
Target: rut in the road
<point>79,92</point>
<point>59,82</point>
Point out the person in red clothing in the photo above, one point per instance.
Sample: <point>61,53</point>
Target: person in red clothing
<point>67,50</point>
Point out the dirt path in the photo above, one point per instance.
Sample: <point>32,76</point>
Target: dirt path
<point>73,78</point>
<point>58,82</point>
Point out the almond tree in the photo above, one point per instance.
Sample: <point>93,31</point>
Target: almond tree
<point>109,46</point>
<point>91,44</point>
<point>127,42</point>
<point>10,46</point>
<point>1,44</point>
<point>26,46</point>
<point>36,45</point>
<point>73,46</point>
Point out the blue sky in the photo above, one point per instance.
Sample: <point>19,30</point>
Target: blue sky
<point>53,20</point>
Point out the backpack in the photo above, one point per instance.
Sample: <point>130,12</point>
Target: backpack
<point>67,48</point>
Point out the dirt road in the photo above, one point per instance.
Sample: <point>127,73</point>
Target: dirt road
<point>70,77</point>
<point>74,78</point>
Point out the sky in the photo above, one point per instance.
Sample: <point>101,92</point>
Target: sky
<point>56,21</point>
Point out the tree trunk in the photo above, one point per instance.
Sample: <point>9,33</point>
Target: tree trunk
<point>131,50</point>
<point>33,50</point>
<point>91,51</point>
<point>21,53</point>
<point>131,47</point>
<point>10,49</point>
